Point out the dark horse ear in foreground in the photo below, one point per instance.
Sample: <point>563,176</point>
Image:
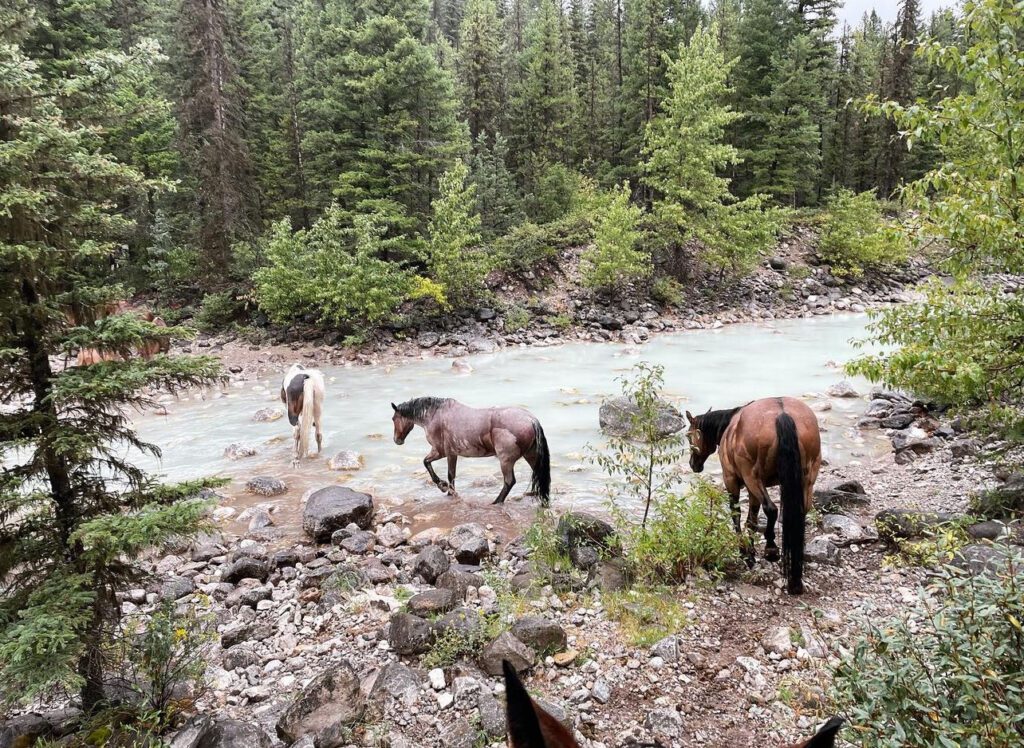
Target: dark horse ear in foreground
<point>455,430</point>
<point>529,726</point>
<point>770,442</point>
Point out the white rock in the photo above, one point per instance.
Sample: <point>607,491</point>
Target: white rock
<point>437,681</point>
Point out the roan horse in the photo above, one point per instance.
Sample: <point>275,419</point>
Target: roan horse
<point>529,726</point>
<point>455,430</point>
<point>302,392</point>
<point>769,442</point>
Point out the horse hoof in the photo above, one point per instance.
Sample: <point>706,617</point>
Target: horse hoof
<point>498,501</point>
<point>444,487</point>
<point>796,588</point>
<point>771,554</point>
<point>750,561</point>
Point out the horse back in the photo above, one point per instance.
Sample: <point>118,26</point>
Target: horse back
<point>750,439</point>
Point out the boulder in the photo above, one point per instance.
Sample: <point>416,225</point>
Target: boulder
<point>822,550</point>
<point>458,582</point>
<point>333,508</point>
<point>248,592</point>
<point>245,567</point>
<point>844,530</point>
<point>204,731</point>
<point>396,684</point>
<point>238,451</point>
<point>24,730</point>
<point>616,417</point>
<point>462,534</point>
<point>431,603</point>
<point>466,622</point>
<point>473,551</point>
<point>359,542</point>
<point>324,710</point>
<point>268,415</point>
<point>608,576</point>
<point>346,459</point>
<point>842,389</point>
<point>779,640</point>
<point>176,588</point>
<point>409,634</point>
<point>492,715</point>
<point>265,485</point>
<point>991,529</point>
<point>986,558</point>
<point>540,633</point>
<point>390,535</point>
<point>240,656</point>
<point>667,649</point>
<point>430,563</point>
<point>585,538</point>
<point>260,518</point>
<point>506,647</point>
<point>665,725</point>
<point>962,448</point>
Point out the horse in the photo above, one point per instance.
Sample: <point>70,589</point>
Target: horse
<point>302,392</point>
<point>455,430</point>
<point>146,350</point>
<point>530,726</point>
<point>771,442</point>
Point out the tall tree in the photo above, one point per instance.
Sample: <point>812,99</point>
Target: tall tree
<point>481,74</point>
<point>899,87</point>
<point>497,202</point>
<point>76,512</point>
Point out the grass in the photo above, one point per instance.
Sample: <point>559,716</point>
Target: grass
<point>647,615</point>
<point>455,644</point>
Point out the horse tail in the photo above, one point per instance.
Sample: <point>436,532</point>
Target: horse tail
<point>306,416</point>
<point>790,472</point>
<point>541,484</point>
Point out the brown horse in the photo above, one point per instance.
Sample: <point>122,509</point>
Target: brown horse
<point>769,442</point>
<point>529,726</point>
<point>455,430</point>
<point>145,350</point>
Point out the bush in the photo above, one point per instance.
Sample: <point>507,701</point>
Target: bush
<point>516,318</point>
<point>456,643</point>
<point>217,311</point>
<point>948,673</point>
<point>555,190</point>
<point>530,245</point>
<point>667,291</point>
<point>855,235</point>
<point>735,236</point>
<point>613,260</point>
<point>455,260</point>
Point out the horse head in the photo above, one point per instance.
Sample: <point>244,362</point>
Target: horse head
<point>699,448</point>
<point>403,425</point>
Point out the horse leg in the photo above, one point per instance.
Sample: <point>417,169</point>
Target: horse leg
<point>507,452</point>
<point>428,463</point>
<point>452,459</point>
<point>771,514</point>
<point>509,474</point>
<point>295,446</point>
<point>732,487</point>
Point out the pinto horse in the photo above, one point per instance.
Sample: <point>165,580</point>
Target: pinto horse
<point>769,442</point>
<point>302,392</point>
<point>529,726</point>
<point>455,430</point>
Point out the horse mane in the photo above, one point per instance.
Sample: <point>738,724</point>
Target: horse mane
<point>420,407</point>
<point>713,424</point>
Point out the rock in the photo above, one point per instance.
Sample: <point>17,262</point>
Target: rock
<point>822,550</point>
<point>910,523</point>
<point>24,730</point>
<point>842,389</point>
<point>240,656</point>
<point>467,622</point>
<point>390,535</point>
<point>325,708</point>
<point>779,640</point>
<point>577,531</point>
<point>245,567</point>
<point>897,421</point>
<point>918,446</point>
<point>473,551</point>
<point>608,576</point>
<point>964,448</point>
<point>506,647</point>
<point>409,634</point>
<point>667,649</point>
<point>458,582</point>
<point>989,530</point>
<point>665,725</point>
<point>616,414</point>
<point>333,508</point>
<point>248,592</point>
<point>396,684</point>
<point>1004,501</point>
<point>176,588</point>
<point>430,563</point>
<point>428,339</point>
<point>848,495</point>
<point>492,715</point>
<point>485,314</point>
<point>540,633</point>
<point>265,485</point>
<point>462,534</point>
<point>777,263</point>
<point>431,603</point>
<point>346,459</point>
<point>601,692</point>
<point>847,530</point>
<point>358,542</point>
<point>482,345</point>
<point>204,731</point>
<point>566,658</point>
<point>436,678</point>
<point>430,536</point>
<point>268,415</point>
<point>259,518</point>
<point>985,558</point>
<point>238,451</point>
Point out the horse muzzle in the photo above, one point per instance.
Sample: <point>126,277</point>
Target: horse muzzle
<point>399,441</point>
<point>696,466</point>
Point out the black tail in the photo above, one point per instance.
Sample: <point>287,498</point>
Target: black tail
<point>826,736</point>
<point>790,471</point>
<point>541,484</point>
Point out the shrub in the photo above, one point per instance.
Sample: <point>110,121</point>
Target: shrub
<point>667,291</point>
<point>947,673</point>
<point>613,260</point>
<point>454,259</point>
<point>855,235</point>
<point>456,643</point>
<point>516,318</point>
<point>217,311</point>
<point>735,236</point>
<point>529,245</point>
<point>554,192</point>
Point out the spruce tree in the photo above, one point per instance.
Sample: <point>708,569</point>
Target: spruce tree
<point>479,63</point>
<point>76,511</point>
<point>899,87</point>
<point>453,255</point>
<point>497,201</point>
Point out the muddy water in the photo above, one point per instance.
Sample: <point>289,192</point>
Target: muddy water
<point>563,386</point>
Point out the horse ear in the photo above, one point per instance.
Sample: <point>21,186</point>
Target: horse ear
<point>523,723</point>
<point>689,416</point>
<point>708,411</point>
<point>826,736</point>
<point>394,407</point>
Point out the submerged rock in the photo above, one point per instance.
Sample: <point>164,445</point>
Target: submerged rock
<point>238,451</point>
<point>346,459</point>
<point>268,415</point>
<point>616,416</point>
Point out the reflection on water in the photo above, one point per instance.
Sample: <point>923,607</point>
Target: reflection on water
<point>563,386</point>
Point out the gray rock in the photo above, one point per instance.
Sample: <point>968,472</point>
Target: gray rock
<point>458,582</point>
<point>238,451</point>
<point>485,313</point>
<point>467,622</point>
<point>616,414</point>
<point>777,263</point>
<point>667,649</point>
<point>240,656</point>
<point>346,459</point>
<point>540,633</point>
<point>428,339</point>
<point>359,542</point>
<point>845,530</point>
<point>911,523</point>
<point>249,592</point>
<point>333,508</point>
<point>473,551</point>
<point>989,559</point>
<point>848,495</point>
<point>462,534</point>
<point>390,535</point>
<point>396,684</point>
<point>903,443</point>
<point>492,715</point>
<point>409,634</point>
<point>506,647</point>
<point>964,448</point>
<point>204,731</point>
<point>430,563</point>
<point>24,730</point>
<point>577,530</point>
<point>245,567</point>
<point>665,724</point>
<point>822,550</point>
<point>376,572</point>
<point>608,576</point>
<point>176,588</point>
<point>431,603</point>
<point>601,691</point>
<point>842,389</point>
<point>267,415</point>
<point>325,709</point>
<point>989,530</point>
<point>779,640</point>
<point>265,485</point>
<point>898,421</point>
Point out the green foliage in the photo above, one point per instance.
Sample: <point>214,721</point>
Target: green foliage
<point>546,549</point>
<point>855,235</point>
<point>217,311</point>
<point>517,318</point>
<point>529,245</point>
<point>1004,502</point>
<point>457,642</point>
<point>667,291</point>
<point>333,271</point>
<point>497,201</point>
<point>642,467</point>
<point>647,614</point>
<point>614,261</point>
<point>454,259</point>
<point>947,673</point>
<point>553,194</point>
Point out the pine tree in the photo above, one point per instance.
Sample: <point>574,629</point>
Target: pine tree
<point>453,255</point>
<point>599,113</point>
<point>77,513</point>
<point>899,87</point>
<point>481,76</point>
<point>496,200</point>
<point>613,260</point>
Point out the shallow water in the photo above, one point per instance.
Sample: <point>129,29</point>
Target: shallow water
<point>562,385</point>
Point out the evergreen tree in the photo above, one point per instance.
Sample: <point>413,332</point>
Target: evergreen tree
<point>77,513</point>
<point>599,113</point>
<point>481,76</point>
<point>899,87</point>
<point>613,260</point>
<point>497,203</point>
<point>453,254</point>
